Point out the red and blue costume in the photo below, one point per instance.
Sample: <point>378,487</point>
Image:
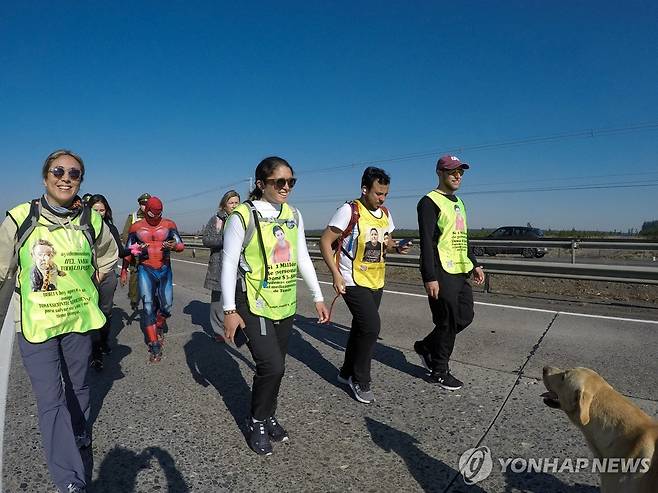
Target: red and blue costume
<point>150,242</point>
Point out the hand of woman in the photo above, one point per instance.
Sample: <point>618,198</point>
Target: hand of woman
<point>231,323</point>
<point>478,275</point>
<point>323,312</point>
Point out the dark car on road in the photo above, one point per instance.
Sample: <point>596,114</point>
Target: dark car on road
<point>513,233</point>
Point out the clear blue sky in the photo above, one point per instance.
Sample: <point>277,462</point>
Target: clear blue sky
<point>181,98</point>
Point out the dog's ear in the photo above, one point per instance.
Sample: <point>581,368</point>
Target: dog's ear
<point>583,403</point>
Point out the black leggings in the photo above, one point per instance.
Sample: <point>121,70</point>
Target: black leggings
<point>363,304</point>
<point>269,353</point>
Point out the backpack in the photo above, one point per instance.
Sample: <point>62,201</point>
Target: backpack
<point>337,245</point>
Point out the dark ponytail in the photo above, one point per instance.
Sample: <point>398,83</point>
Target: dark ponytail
<point>264,170</point>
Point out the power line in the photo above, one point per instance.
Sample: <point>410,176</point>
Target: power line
<point>602,186</point>
<point>586,133</point>
<point>210,190</point>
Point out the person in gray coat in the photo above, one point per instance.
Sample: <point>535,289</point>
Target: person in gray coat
<point>213,238</point>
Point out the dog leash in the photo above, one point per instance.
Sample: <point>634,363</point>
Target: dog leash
<point>502,406</point>
<point>331,307</point>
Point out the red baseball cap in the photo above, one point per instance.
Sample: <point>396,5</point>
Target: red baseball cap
<point>450,162</point>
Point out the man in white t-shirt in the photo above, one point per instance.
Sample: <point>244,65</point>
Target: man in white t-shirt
<point>351,248</point>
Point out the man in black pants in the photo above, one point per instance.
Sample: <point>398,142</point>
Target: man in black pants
<point>446,262</point>
<point>351,249</point>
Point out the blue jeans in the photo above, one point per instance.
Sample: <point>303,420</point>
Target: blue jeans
<point>156,289</point>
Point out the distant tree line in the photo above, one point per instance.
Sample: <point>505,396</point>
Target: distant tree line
<point>650,229</point>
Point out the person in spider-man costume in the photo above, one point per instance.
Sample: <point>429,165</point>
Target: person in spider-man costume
<point>150,241</point>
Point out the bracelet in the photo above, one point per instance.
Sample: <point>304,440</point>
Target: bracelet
<point>230,312</point>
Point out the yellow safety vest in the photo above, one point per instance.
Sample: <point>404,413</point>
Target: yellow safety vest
<point>453,241</point>
<point>369,262</point>
<point>55,269</point>
<point>270,255</point>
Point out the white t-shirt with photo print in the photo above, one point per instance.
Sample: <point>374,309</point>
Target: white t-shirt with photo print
<point>340,220</point>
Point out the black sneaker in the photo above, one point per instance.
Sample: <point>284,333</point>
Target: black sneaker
<point>424,354</point>
<point>275,430</point>
<point>344,379</point>
<point>97,363</point>
<point>445,380</point>
<point>259,439</point>
<point>82,441</point>
<point>73,488</point>
<point>155,352</point>
<point>105,349</point>
<point>361,391</point>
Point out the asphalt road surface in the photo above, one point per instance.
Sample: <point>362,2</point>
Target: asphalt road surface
<point>177,426</point>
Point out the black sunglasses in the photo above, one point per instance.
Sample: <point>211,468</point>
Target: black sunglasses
<point>453,172</point>
<point>281,182</point>
<point>58,172</point>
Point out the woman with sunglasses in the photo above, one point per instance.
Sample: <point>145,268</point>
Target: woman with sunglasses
<point>106,287</point>
<point>213,238</point>
<point>259,296</point>
<point>53,325</point>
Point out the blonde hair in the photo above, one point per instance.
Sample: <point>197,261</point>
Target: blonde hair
<point>226,197</point>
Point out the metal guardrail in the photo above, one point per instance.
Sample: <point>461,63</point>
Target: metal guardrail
<point>564,270</point>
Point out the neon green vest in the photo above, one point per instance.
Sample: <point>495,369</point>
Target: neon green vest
<point>275,297</point>
<point>453,242</point>
<point>369,264</point>
<point>55,269</point>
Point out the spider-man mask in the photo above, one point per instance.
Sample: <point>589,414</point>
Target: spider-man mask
<point>153,211</point>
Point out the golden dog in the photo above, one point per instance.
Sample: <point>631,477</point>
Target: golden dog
<point>613,426</point>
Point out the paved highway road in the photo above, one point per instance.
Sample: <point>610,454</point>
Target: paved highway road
<point>177,426</point>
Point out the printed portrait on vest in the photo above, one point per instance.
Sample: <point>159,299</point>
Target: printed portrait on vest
<point>459,219</point>
<point>281,250</point>
<point>44,274</point>
<point>373,249</point>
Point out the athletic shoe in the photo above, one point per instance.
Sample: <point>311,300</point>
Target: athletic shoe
<point>424,354</point>
<point>362,392</point>
<point>105,349</point>
<point>275,430</point>
<point>73,488</point>
<point>342,379</point>
<point>155,352</point>
<point>445,380</point>
<point>97,363</point>
<point>82,441</point>
<point>259,439</point>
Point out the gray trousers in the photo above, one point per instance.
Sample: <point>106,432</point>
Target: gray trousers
<point>216,312</point>
<point>58,371</point>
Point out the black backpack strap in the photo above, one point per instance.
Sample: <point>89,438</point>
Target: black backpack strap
<point>86,226</point>
<point>24,231</point>
<point>29,223</point>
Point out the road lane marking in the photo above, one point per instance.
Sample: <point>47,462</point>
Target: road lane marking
<point>496,305</point>
<point>7,334</point>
